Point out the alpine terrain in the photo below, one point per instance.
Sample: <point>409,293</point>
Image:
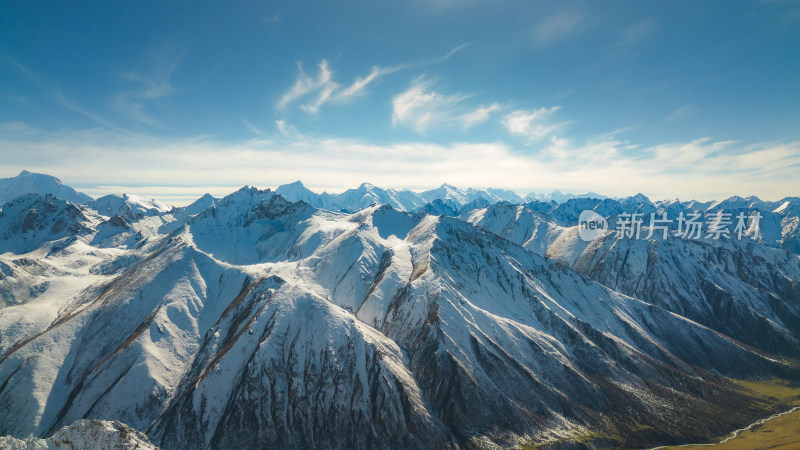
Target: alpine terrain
<point>383,318</point>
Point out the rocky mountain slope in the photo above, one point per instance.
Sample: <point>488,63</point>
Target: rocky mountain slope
<point>743,288</point>
<point>254,319</point>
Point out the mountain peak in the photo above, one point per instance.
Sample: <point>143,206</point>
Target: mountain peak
<point>248,192</point>
<point>28,182</point>
<point>638,198</point>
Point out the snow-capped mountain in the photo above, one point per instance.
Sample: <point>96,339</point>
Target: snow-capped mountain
<point>778,226</point>
<point>198,206</point>
<point>352,200</point>
<point>127,206</point>
<point>256,319</point>
<point>297,192</point>
<point>31,220</point>
<point>366,194</point>
<point>745,290</point>
<point>440,207</point>
<point>560,197</point>
<point>37,183</point>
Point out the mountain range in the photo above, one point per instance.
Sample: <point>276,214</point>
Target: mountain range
<point>378,318</point>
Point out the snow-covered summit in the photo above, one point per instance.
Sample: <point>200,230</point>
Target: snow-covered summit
<point>127,205</point>
<point>37,183</point>
<point>297,192</point>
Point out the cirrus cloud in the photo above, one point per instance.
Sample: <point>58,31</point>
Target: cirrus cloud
<point>533,125</point>
<point>422,107</point>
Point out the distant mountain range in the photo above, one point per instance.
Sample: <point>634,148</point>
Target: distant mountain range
<point>378,318</point>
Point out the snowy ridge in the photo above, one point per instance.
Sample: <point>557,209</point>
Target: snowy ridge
<point>127,206</point>
<point>728,285</point>
<point>353,200</point>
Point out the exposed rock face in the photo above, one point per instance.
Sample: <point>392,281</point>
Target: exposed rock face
<point>29,221</point>
<point>748,292</point>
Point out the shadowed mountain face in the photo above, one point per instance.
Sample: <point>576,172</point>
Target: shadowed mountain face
<point>262,322</point>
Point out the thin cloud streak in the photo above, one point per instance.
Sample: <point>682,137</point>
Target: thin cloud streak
<point>305,84</point>
<point>74,107</point>
<point>558,27</point>
<point>421,107</point>
<point>274,18</point>
<point>156,85</point>
<point>479,115</point>
<point>636,33</point>
<point>533,125</point>
<point>361,82</point>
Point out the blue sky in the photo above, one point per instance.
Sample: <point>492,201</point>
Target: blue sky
<point>173,99</point>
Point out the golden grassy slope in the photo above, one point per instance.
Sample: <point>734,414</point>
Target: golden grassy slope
<point>779,433</point>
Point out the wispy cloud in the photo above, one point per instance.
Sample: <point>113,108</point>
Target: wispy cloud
<point>680,113</point>
<point>479,115</point>
<point>564,94</point>
<point>702,168</point>
<point>271,18</point>
<point>19,129</point>
<point>253,128</point>
<point>305,84</point>
<point>322,89</point>
<point>55,93</point>
<point>533,125</point>
<point>285,129</point>
<point>558,27</point>
<point>636,33</point>
<point>440,59</point>
<point>24,69</point>
<point>151,85</point>
<point>422,107</point>
<point>360,83</point>
<point>75,107</point>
